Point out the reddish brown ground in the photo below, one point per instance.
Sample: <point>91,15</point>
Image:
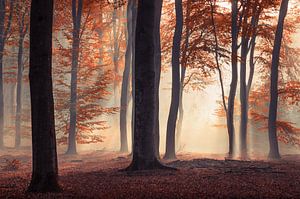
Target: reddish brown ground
<point>97,175</point>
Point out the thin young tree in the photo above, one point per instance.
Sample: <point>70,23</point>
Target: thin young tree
<point>76,16</point>
<point>171,125</point>
<point>5,29</point>
<point>273,142</point>
<point>44,155</point>
<point>234,76</point>
<point>23,24</point>
<point>125,81</point>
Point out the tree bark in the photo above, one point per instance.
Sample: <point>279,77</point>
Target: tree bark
<point>273,142</point>
<point>125,82</point>
<point>146,89</point>
<point>157,61</point>
<point>243,97</point>
<point>134,19</point>
<point>76,15</point>
<point>44,155</point>
<point>171,125</point>
<point>234,75</point>
<point>23,28</point>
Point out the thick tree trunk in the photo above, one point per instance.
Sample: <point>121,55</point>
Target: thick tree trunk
<point>125,82</point>
<point>19,92</point>
<point>146,89</point>
<point>171,126</point>
<point>274,150</point>
<point>234,76</point>
<point>76,14</point>
<point>44,155</point>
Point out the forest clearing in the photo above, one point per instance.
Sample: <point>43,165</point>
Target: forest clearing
<point>99,175</point>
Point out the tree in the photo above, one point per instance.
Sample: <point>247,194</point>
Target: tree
<point>172,119</point>
<point>273,142</point>
<point>76,16</point>
<point>44,155</point>
<point>5,28</point>
<point>23,24</point>
<point>146,89</point>
<point>125,80</point>
<point>234,76</point>
<point>94,76</point>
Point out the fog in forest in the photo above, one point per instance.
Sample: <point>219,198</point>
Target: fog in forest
<point>203,131</point>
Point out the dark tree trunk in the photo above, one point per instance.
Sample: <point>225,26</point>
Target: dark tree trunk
<point>234,76</point>
<point>274,150</point>
<point>134,18</point>
<point>157,62</point>
<point>243,97</point>
<point>4,30</point>
<point>125,81</point>
<point>76,15</point>
<point>171,126</point>
<point>44,155</point>
<point>146,89</point>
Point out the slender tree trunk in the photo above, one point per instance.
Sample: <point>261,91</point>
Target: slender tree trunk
<point>234,75</point>
<point>4,30</point>
<point>76,15</point>
<point>19,92</point>
<point>146,89</point>
<point>157,62</point>
<point>115,54</point>
<point>134,19</point>
<point>182,75</point>
<point>243,97</point>
<point>2,43</point>
<point>44,155</point>
<point>273,142</point>
<point>217,57</point>
<point>171,126</point>
<point>125,82</point>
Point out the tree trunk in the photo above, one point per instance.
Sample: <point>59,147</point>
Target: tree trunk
<point>125,81</point>
<point>243,97</point>
<point>146,89</point>
<point>182,75</point>
<point>115,54</point>
<point>2,43</point>
<point>157,62</point>
<point>234,75</point>
<point>134,19</point>
<point>19,92</point>
<point>44,155</point>
<point>171,126</point>
<point>76,15</point>
<point>4,30</point>
<point>274,150</point>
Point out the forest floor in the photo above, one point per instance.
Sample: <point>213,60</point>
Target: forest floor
<point>97,175</point>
